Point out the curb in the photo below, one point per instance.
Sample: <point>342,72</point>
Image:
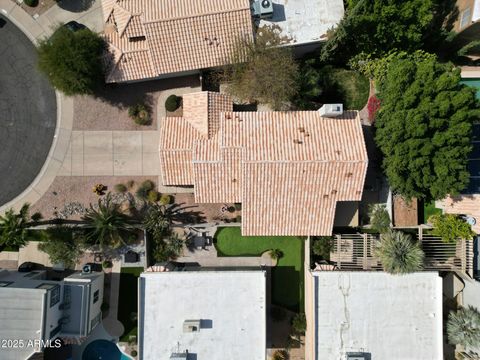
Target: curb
<point>63,128</point>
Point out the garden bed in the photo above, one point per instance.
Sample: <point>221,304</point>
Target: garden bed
<point>128,301</point>
<point>287,276</point>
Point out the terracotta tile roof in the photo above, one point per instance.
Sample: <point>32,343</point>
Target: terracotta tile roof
<point>178,135</point>
<point>288,169</point>
<point>179,35</point>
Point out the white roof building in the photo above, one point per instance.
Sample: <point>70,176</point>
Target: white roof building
<point>205,314</point>
<point>375,315</point>
<point>305,21</point>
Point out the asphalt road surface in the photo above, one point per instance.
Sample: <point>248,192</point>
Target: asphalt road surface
<point>28,111</point>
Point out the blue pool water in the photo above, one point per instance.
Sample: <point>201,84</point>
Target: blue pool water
<point>473,82</point>
<point>103,350</point>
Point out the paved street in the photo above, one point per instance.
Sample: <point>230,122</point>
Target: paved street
<point>28,113</point>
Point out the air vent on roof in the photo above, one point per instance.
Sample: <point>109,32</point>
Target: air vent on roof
<point>179,356</point>
<point>358,356</point>
<point>137,38</point>
<point>191,326</point>
<point>331,110</point>
<point>262,9</point>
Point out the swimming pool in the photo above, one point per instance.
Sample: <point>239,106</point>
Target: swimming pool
<point>103,350</point>
<point>473,82</point>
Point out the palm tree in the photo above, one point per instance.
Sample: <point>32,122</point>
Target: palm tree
<point>463,327</point>
<point>107,226</point>
<point>157,220</point>
<point>13,227</point>
<point>399,254</point>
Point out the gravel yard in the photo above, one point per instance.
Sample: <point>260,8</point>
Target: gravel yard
<point>108,109</point>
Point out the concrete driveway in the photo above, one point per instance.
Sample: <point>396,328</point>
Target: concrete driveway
<point>112,153</point>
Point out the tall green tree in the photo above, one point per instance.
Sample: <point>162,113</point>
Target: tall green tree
<point>378,26</point>
<point>262,70</point>
<point>62,246</point>
<point>13,227</point>
<point>107,226</point>
<point>423,128</point>
<point>399,253</point>
<point>72,61</point>
<point>463,327</point>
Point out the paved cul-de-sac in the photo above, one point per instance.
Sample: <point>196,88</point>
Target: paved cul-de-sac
<point>28,113</point>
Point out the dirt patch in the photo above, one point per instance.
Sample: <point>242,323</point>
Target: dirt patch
<point>209,212</point>
<point>405,213</point>
<point>108,108</point>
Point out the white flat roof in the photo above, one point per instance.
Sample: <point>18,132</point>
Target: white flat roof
<point>230,304</point>
<point>305,21</point>
<point>389,317</point>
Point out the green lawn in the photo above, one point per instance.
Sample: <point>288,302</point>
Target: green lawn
<point>127,300</point>
<point>287,277</point>
<point>330,85</point>
<point>429,210</point>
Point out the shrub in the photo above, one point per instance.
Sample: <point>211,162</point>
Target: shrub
<point>379,218</point>
<point>73,61</point>
<point>134,353</point>
<point>238,206</point>
<point>280,355</point>
<point>231,209</point>
<point>37,216</point>
<point>463,327</point>
<point>450,227</point>
<point>299,323</point>
<point>399,254</point>
<point>31,3</point>
<point>106,264</point>
<point>166,199</point>
<point>239,218</point>
<point>153,195</point>
<point>130,184</point>
<point>322,246</point>
<point>144,189</point>
<point>373,106</point>
<point>173,103</point>
<point>139,113</point>
<point>120,188</point>
<point>276,254</point>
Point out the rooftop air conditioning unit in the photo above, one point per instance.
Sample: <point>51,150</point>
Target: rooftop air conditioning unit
<point>331,110</point>
<point>87,269</point>
<point>262,9</point>
<point>191,326</point>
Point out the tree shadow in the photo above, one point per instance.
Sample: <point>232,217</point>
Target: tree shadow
<point>75,5</point>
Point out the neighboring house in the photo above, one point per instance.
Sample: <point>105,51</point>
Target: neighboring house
<point>153,39</point>
<point>35,308</point>
<point>467,24</point>
<point>290,170</point>
<point>305,22</point>
<point>150,39</point>
<point>205,314</point>
<point>373,315</point>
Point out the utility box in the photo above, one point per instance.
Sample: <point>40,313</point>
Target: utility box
<point>331,110</point>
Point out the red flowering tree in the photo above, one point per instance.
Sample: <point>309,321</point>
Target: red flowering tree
<point>373,106</point>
